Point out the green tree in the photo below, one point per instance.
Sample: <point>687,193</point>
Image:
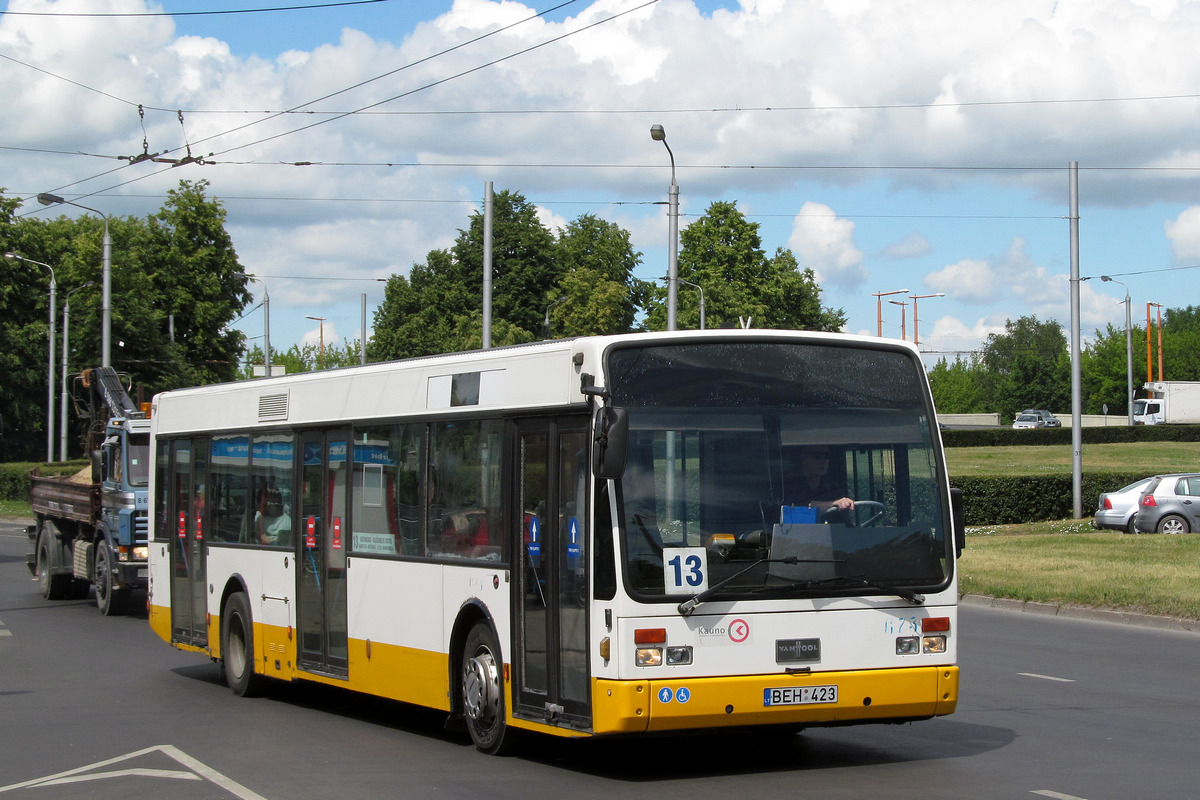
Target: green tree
<point>178,261</point>
<point>957,388</point>
<point>1104,373</point>
<point>601,291</point>
<point>198,280</point>
<point>722,253</point>
<point>1027,366</point>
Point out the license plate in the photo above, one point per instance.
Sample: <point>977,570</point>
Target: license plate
<point>800,695</point>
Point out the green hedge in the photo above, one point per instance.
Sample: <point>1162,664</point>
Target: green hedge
<point>14,478</point>
<point>1007,437</point>
<point>1010,500</point>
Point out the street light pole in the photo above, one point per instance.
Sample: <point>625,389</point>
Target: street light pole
<point>915,298</point>
<point>321,356</point>
<point>62,400</point>
<point>699,288</point>
<point>879,308</point>
<point>50,372</point>
<point>546,322</point>
<point>903,305</point>
<point>1128,350</point>
<point>659,135</point>
<point>48,199</point>
<point>266,325</point>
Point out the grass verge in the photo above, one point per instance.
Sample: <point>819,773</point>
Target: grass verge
<point>1071,563</point>
<point>15,508</point>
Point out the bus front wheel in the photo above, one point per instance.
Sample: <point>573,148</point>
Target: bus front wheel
<point>237,647</point>
<point>483,691</point>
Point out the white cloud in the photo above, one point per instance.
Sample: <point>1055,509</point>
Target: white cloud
<point>826,244</point>
<point>970,279</point>
<point>912,246</point>
<point>1184,234</point>
<point>848,84</point>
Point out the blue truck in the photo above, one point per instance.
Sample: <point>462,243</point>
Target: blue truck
<point>91,529</point>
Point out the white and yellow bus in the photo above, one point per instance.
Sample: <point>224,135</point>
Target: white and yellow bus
<point>598,536</point>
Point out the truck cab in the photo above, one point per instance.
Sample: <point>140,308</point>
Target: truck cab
<point>125,497</point>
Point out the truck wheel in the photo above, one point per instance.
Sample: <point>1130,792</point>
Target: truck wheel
<point>109,599</point>
<point>483,692</point>
<point>54,587</point>
<point>237,648</point>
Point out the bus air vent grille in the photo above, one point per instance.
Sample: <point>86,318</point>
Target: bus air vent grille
<point>273,406</point>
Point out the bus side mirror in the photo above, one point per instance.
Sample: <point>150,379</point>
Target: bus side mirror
<point>610,441</point>
<point>958,520</point>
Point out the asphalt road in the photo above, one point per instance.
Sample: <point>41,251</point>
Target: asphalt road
<point>95,707</point>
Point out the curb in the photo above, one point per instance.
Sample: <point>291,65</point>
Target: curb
<point>1083,613</point>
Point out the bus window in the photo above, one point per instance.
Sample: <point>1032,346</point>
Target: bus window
<point>464,490</point>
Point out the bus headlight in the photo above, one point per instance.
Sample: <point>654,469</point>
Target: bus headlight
<point>649,657</point>
<point>679,655</point>
<point>907,645</point>
<point>933,644</point>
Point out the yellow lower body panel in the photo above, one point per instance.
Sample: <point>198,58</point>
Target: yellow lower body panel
<point>862,696</point>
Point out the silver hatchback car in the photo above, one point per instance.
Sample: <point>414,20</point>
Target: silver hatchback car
<point>1170,504</point>
<point>1117,509</point>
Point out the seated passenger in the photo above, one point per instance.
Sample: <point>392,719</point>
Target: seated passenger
<point>272,521</point>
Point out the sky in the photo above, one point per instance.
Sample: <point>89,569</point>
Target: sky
<point>891,145</point>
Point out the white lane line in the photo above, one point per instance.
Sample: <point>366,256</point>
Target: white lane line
<point>176,774</point>
<point>1055,795</point>
<point>196,770</point>
<point>1046,677</point>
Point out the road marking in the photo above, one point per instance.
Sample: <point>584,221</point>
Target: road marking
<point>3,630</point>
<point>1046,677</point>
<point>195,771</point>
<point>1056,795</point>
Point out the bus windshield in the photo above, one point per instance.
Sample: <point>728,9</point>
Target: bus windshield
<point>769,469</point>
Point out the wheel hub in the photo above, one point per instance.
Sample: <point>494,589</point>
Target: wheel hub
<point>481,687</point>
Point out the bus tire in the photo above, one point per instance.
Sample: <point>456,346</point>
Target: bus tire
<point>109,599</point>
<point>237,647</point>
<point>54,587</point>
<point>483,691</point>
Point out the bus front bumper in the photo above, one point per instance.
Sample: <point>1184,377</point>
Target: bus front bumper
<point>882,695</point>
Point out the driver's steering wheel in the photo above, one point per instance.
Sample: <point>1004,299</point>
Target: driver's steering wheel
<point>871,520</point>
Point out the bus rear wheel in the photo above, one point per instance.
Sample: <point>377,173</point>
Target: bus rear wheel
<point>237,647</point>
<point>483,691</point>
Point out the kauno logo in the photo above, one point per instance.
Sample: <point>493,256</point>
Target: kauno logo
<point>716,631</point>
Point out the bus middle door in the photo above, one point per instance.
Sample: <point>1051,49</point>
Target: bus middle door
<point>321,548</point>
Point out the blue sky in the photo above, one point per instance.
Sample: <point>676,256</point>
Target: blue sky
<point>904,144</point>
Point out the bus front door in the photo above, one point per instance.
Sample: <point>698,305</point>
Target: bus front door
<point>321,552</point>
<point>188,595</point>
<point>550,490</point>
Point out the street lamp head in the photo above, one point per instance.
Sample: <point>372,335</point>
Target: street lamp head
<point>657,133</point>
<point>47,199</point>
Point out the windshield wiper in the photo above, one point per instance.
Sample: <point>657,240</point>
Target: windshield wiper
<point>907,595</point>
<point>688,606</point>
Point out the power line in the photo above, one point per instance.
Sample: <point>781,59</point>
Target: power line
<point>538,14</point>
<point>718,109</point>
<point>187,13</point>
